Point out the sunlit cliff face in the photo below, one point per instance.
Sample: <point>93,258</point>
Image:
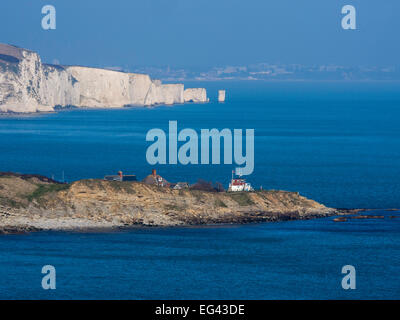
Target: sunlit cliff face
<point>28,85</point>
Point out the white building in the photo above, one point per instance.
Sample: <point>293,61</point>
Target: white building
<point>239,185</point>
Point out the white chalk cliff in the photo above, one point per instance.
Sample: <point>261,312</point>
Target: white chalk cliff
<point>195,95</point>
<point>28,85</point>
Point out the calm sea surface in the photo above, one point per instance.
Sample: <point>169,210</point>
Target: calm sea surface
<point>336,143</point>
<point>284,260</point>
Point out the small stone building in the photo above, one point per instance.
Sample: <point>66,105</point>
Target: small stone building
<point>155,179</point>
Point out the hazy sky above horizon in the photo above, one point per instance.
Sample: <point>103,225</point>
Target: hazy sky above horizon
<point>187,33</point>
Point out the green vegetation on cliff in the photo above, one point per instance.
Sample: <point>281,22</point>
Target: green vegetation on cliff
<point>43,189</point>
<point>135,203</point>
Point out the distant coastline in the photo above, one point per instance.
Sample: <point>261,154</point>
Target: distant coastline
<point>275,72</point>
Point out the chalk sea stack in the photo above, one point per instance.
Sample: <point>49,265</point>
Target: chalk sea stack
<point>221,95</point>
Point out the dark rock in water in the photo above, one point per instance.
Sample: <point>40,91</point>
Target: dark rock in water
<point>340,219</point>
<point>367,217</point>
<point>17,229</point>
<point>349,211</point>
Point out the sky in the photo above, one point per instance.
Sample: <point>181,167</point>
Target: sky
<point>205,33</point>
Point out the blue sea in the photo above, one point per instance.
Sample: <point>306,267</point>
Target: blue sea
<point>337,143</point>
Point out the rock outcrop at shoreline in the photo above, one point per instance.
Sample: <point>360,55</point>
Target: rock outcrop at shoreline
<point>28,85</point>
<point>29,202</point>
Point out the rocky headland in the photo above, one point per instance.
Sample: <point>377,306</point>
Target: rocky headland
<point>33,202</point>
<point>27,85</point>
